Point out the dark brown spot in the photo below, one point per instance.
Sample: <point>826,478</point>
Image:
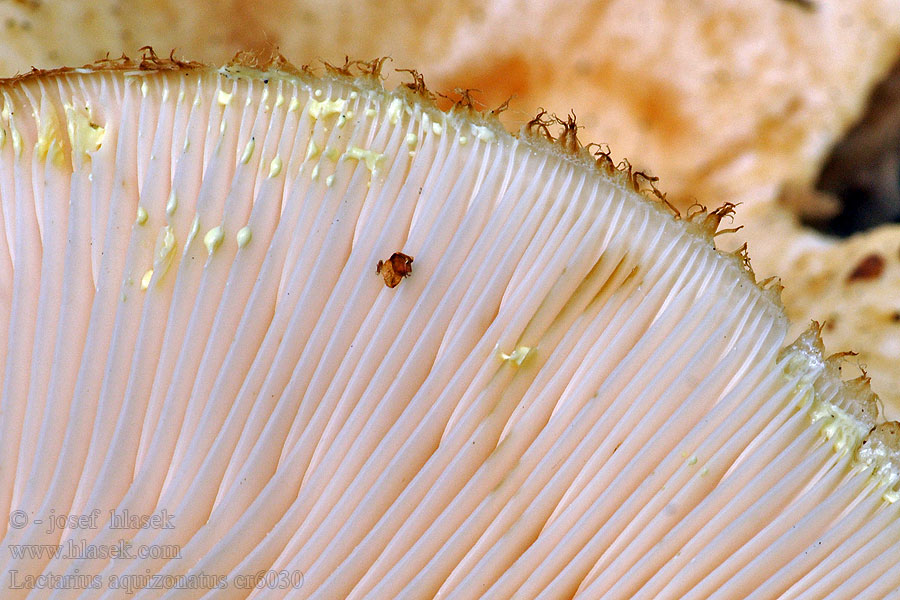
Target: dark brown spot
<point>870,267</point>
<point>895,316</point>
<point>394,269</point>
<point>807,5</point>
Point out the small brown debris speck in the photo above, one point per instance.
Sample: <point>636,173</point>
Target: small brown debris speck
<point>807,5</point>
<point>870,267</point>
<point>397,267</point>
<point>31,4</point>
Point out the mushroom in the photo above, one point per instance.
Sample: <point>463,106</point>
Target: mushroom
<point>209,392</point>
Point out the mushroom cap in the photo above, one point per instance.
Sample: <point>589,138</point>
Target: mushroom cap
<point>572,394</point>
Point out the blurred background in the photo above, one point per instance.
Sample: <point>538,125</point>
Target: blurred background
<point>785,106</point>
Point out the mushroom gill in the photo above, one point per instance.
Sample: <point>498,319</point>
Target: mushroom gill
<point>272,334</point>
